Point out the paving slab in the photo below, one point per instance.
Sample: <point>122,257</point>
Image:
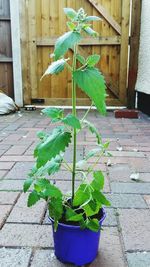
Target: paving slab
<point>127,201</point>
<point>19,170</point>
<point>138,259</point>
<point>14,257</point>
<point>46,258</point>
<point>23,214</point>
<point>135,225</point>
<point>26,235</point>
<point>132,188</point>
<point>4,211</point>
<point>8,197</point>
<point>110,252</point>
<point>11,185</point>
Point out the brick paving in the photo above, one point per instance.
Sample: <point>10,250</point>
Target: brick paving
<point>26,235</point>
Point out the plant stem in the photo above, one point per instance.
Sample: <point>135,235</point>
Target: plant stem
<point>74,113</point>
<point>86,113</point>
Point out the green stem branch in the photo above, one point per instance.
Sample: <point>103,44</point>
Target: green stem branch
<point>74,113</point>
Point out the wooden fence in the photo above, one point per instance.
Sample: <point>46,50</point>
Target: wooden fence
<point>42,21</point>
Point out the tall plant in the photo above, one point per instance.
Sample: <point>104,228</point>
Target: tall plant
<point>84,204</point>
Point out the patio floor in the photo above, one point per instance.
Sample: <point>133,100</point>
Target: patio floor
<point>26,237</point>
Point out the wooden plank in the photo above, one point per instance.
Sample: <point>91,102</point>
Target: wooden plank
<point>80,102</point>
<point>16,52</point>
<point>112,40</point>
<point>134,49</point>
<point>4,8</point>
<point>32,47</point>
<point>6,59</point>
<point>106,16</point>
<point>24,37</point>
<point>4,18</point>
<point>124,51</point>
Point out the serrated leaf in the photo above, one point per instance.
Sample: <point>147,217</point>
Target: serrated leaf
<point>92,18</point>
<point>70,12</point>
<point>92,208</point>
<point>52,191</point>
<point>71,25</point>
<point>71,215</point>
<point>55,208</point>
<point>101,198</point>
<point>41,135</point>
<point>92,82</point>
<point>33,198</point>
<point>55,67</point>
<point>52,146</point>
<point>81,59</point>
<point>54,113</point>
<point>92,60</point>
<point>72,121</point>
<point>98,181</point>
<point>90,31</point>
<point>93,224</point>
<point>64,42</point>
<point>93,152</point>
<point>27,184</point>
<point>93,130</point>
<point>82,195</point>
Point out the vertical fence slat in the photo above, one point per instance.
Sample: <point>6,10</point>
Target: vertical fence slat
<point>134,49</point>
<point>124,51</point>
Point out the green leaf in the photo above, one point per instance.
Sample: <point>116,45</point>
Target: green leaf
<point>98,181</point>
<point>82,195</point>
<point>55,208</point>
<point>33,198</point>
<point>55,67</point>
<point>71,215</point>
<point>101,198</point>
<point>70,12</point>
<point>90,31</point>
<point>93,152</point>
<point>93,224</point>
<point>92,208</point>
<point>54,113</point>
<point>66,41</point>
<point>52,191</point>
<point>71,25</point>
<point>41,135</point>
<point>92,18</point>
<point>72,121</point>
<point>91,81</point>
<point>92,60</point>
<point>93,130</point>
<point>52,146</point>
<point>81,59</point>
<point>27,184</point>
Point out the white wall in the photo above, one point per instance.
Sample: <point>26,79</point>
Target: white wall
<point>143,77</point>
<point>16,52</point>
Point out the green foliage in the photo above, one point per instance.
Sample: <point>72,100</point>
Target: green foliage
<point>33,198</point>
<point>55,143</point>
<point>55,67</point>
<point>27,184</point>
<point>92,60</point>
<point>66,41</point>
<point>93,130</point>
<point>91,81</point>
<point>53,113</point>
<point>72,121</point>
<point>83,205</point>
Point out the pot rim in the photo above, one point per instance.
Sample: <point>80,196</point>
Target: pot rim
<point>76,226</point>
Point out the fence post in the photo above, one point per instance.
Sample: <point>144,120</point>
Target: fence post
<point>134,49</point>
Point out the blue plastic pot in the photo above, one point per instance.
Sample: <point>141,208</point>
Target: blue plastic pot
<point>76,246</point>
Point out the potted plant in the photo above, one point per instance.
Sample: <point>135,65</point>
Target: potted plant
<point>76,217</point>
